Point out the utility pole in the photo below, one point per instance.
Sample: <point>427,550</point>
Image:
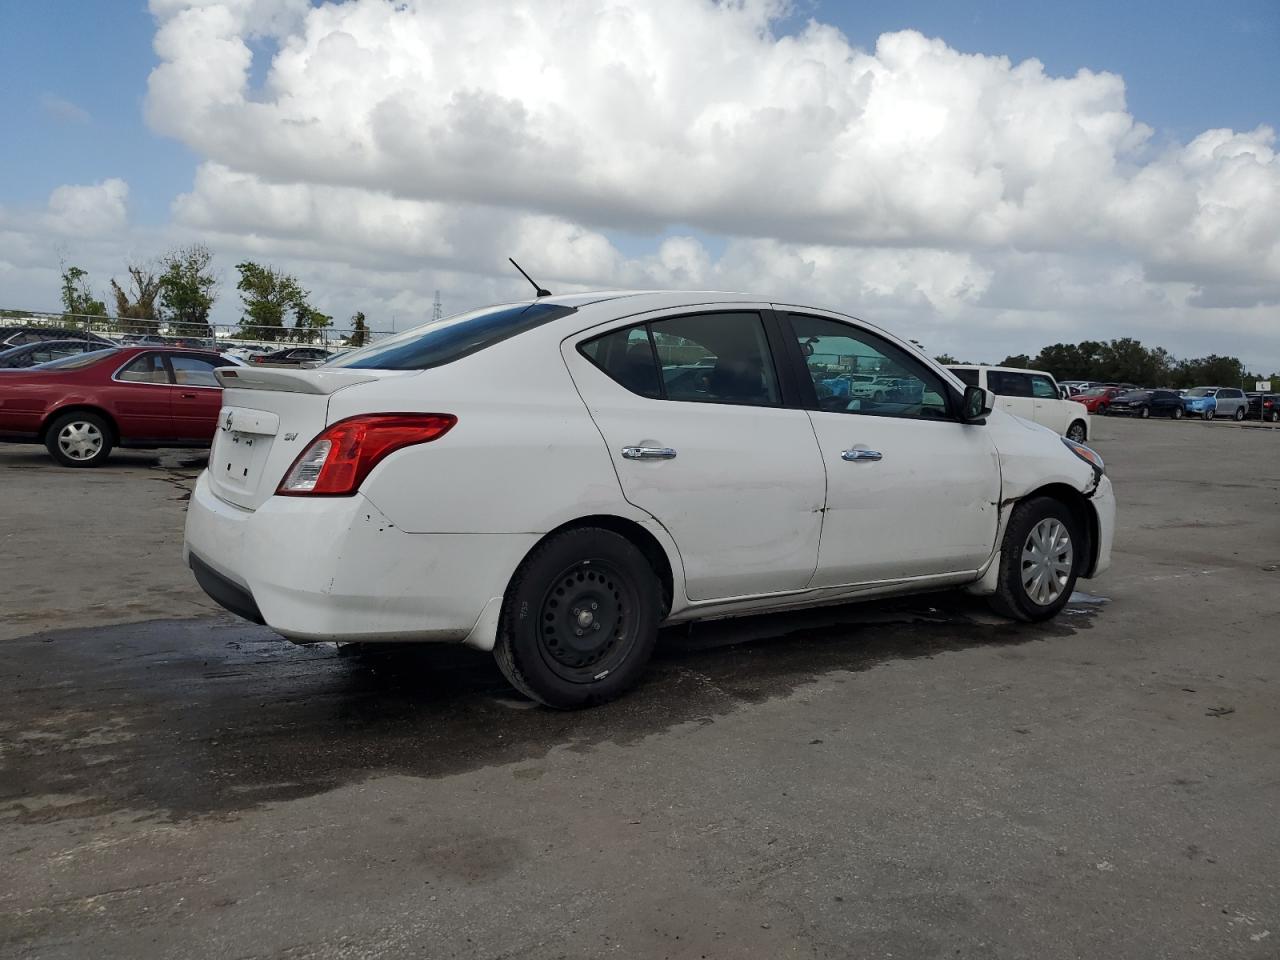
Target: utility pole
<point>437,309</point>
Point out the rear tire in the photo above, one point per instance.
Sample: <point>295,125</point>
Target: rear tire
<point>79,439</point>
<point>1040,560</point>
<point>1077,432</point>
<point>580,619</point>
<point>1239,414</point>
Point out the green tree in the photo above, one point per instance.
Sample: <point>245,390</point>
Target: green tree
<point>1016,360</point>
<point>946,360</point>
<point>136,307</point>
<point>359,330</point>
<point>310,323</point>
<point>1210,371</point>
<point>188,290</point>
<point>77,300</point>
<point>269,297</point>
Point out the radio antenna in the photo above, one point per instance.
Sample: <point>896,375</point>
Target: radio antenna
<point>541,292</point>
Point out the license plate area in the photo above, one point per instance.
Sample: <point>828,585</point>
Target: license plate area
<point>238,456</point>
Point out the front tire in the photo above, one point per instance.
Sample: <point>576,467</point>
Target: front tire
<point>1275,416</point>
<point>79,440</point>
<point>1144,412</point>
<point>580,619</point>
<point>1102,409</point>
<point>1177,413</point>
<point>1040,559</point>
<point>1208,414</point>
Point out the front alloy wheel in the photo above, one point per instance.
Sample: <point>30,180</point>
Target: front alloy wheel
<point>1208,414</point>
<point>1144,412</point>
<point>1177,413</point>
<point>1040,559</point>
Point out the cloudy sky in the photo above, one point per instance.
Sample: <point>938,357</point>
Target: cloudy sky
<point>986,177</point>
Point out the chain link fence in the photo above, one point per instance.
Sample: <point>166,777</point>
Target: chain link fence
<point>214,335</point>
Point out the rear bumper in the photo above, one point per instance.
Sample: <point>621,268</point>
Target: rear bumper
<point>336,569</point>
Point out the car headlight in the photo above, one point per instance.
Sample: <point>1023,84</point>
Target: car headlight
<point>1087,454</point>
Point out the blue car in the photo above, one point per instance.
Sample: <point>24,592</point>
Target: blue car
<point>1201,402</point>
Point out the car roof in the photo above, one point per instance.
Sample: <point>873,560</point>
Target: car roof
<point>992,366</point>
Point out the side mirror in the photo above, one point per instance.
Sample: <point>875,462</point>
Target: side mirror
<point>976,405</point>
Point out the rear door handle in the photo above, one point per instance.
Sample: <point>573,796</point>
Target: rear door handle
<point>858,454</point>
<point>648,453</point>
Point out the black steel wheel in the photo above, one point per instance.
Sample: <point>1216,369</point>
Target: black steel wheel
<point>580,619</point>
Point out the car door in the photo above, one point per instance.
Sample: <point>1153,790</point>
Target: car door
<point>1013,393</point>
<point>718,458</point>
<point>911,491</point>
<point>197,396</point>
<point>140,398</point>
<point>1049,408</point>
<point>1230,401</point>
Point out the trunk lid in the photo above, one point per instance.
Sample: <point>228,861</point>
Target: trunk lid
<point>268,417</point>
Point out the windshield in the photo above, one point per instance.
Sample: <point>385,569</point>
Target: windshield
<point>1096,392</point>
<point>75,361</point>
<point>1135,395</point>
<point>1202,391</point>
<point>435,344</point>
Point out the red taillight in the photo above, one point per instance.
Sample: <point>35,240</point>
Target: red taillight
<point>336,462</point>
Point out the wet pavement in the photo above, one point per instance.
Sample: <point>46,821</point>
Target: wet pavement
<point>914,778</point>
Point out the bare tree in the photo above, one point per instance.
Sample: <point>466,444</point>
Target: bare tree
<point>136,307</point>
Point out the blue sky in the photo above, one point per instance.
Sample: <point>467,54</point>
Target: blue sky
<point>1188,65</point>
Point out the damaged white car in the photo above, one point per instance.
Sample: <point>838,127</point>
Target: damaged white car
<point>554,479</point>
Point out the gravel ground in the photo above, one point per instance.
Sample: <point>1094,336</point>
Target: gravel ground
<point>905,780</point>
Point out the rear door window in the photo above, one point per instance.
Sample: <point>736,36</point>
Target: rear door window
<point>968,377</point>
<point>435,344</point>
<point>1007,384</point>
<point>700,358</point>
<point>627,356</point>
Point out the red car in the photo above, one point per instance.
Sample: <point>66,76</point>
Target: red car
<point>80,407</point>
<point>1099,398</point>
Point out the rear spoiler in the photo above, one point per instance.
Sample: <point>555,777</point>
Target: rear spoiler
<point>320,382</point>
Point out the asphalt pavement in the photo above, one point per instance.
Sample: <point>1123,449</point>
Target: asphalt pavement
<point>916,779</point>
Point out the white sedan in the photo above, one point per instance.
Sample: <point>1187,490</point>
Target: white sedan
<point>544,480</point>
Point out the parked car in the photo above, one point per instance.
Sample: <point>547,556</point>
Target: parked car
<point>1147,403</point>
<point>372,499</point>
<point>1032,395</point>
<point>20,336</point>
<point>80,407</point>
<point>292,357</point>
<point>1210,402</point>
<point>1265,406</point>
<point>1096,399</point>
<point>42,351</point>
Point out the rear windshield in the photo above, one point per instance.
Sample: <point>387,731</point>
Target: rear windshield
<point>968,377</point>
<point>76,360</point>
<point>438,343</point>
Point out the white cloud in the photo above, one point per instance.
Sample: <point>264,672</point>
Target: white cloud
<point>396,147</point>
<point>63,109</point>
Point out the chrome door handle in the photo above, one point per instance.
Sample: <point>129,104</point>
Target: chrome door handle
<point>862,455</point>
<point>648,453</point>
